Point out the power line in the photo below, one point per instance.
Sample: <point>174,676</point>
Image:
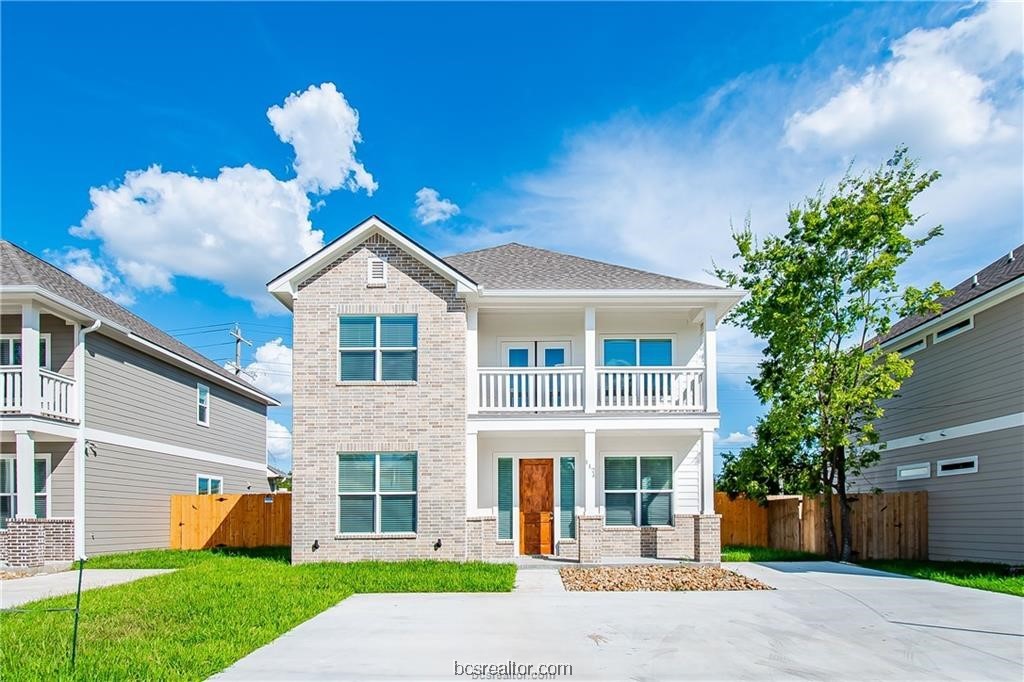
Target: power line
<point>202,326</point>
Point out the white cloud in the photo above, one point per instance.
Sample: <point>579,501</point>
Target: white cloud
<point>324,130</point>
<point>80,264</point>
<point>279,445</point>
<point>431,208</point>
<point>243,226</point>
<point>271,370</point>
<point>736,438</point>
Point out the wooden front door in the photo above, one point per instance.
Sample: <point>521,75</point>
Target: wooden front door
<point>536,506</point>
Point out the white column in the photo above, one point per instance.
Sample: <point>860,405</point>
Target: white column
<point>590,360</point>
<point>472,361</point>
<point>30,388</point>
<point>472,494</point>
<point>25,454</point>
<point>590,472</point>
<point>707,472</point>
<point>710,361</point>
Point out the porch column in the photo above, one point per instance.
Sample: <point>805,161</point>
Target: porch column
<point>25,459</point>
<point>472,361</point>
<point>707,472</point>
<point>472,494</point>
<point>710,361</point>
<point>590,360</point>
<point>590,472</point>
<point>30,387</point>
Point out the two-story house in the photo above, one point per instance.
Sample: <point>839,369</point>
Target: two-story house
<point>103,416</point>
<point>957,427</point>
<point>504,402</point>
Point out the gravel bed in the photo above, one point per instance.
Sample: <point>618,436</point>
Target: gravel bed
<point>655,578</point>
<point>6,574</point>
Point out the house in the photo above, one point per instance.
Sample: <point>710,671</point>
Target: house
<point>504,402</point>
<point>957,427</point>
<point>105,418</point>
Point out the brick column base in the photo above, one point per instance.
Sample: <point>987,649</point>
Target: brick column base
<point>707,538</point>
<point>588,538</point>
<point>27,543</point>
<point>482,542</point>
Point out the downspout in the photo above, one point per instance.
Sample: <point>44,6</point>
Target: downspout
<point>80,440</point>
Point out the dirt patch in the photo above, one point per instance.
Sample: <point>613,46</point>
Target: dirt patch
<point>11,575</point>
<point>656,579</point>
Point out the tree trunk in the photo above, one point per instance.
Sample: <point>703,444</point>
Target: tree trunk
<point>830,528</point>
<point>845,524</point>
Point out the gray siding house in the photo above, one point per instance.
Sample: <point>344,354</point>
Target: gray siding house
<point>106,420</point>
<point>957,427</point>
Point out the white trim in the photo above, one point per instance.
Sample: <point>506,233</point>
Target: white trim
<point>210,478</point>
<point>199,403</point>
<point>47,457</point>
<point>973,459</point>
<point>637,337</point>
<point>638,491</point>
<point>43,336</point>
<point>900,468</point>
<point>39,425</point>
<point>955,332</point>
<point>124,441</point>
<point>1008,421</point>
<point>590,422</point>
<point>377,494</point>
<point>913,347</point>
<point>378,351</point>
<point>555,480</point>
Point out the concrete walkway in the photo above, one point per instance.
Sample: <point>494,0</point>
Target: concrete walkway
<point>23,590</point>
<point>824,621</point>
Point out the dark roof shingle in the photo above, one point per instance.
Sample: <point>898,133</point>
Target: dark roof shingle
<point>19,267</point>
<point>515,266</point>
<point>1001,271</point>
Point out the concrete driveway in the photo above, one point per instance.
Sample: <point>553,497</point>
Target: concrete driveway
<point>823,621</point>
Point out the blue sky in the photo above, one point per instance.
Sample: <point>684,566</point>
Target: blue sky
<point>632,133</point>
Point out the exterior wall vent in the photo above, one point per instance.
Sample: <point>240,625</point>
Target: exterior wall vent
<point>376,272</point>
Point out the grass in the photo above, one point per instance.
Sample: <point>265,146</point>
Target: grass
<point>745,553</point>
<point>216,608</point>
<point>990,577</point>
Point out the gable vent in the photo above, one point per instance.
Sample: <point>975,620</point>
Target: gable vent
<point>376,272</point>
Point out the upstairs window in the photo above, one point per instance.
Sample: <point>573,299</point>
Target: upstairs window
<point>638,352</point>
<point>912,348</point>
<point>377,348</point>
<point>10,350</point>
<point>954,329</point>
<point>209,485</point>
<point>957,466</point>
<point>202,404</point>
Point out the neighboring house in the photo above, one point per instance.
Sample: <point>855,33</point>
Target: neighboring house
<point>105,418</point>
<point>278,480</point>
<point>503,402</point>
<point>957,427</point>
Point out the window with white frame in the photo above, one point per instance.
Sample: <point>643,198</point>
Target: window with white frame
<point>954,329</point>
<point>956,466</point>
<point>202,404</point>
<point>912,347</point>
<point>209,485</point>
<point>637,352</point>
<point>377,492</point>
<point>377,348</point>
<point>10,350</point>
<point>908,472</point>
<point>638,491</point>
<point>9,488</point>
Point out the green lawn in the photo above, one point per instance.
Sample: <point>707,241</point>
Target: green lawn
<point>745,553</point>
<point>991,577</point>
<point>216,608</point>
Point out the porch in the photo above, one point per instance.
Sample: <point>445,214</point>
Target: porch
<point>41,383</point>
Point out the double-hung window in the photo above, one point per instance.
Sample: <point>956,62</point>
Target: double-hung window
<point>377,348</point>
<point>202,404</point>
<point>377,492</point>
<point>209,485</point>
<point>638,491</point>
<point>10,350</point>
<point>9,488</point>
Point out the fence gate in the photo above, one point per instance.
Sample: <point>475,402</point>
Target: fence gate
<point>246,520</point>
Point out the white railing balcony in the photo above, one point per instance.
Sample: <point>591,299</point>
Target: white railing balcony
<point>530,389</point>
<point>650,388</point>
<point>57,394</point>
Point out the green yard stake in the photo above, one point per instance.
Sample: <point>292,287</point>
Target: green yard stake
<point>78,607</point>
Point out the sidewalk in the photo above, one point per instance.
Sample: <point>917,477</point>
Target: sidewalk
<point>23,590</point>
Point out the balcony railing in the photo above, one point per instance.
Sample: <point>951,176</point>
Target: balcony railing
<point>650,388</point>
<point>531,389</point>
<point>57,394</point>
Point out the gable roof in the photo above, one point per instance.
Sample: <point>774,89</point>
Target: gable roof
<point>996,274</point>
<point>18,267</point>
<point>516,266</point>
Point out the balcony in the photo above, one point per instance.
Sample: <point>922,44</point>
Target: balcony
<point>57,394</point>
<point>563,389</point>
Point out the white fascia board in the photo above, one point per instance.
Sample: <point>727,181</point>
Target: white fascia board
<point>983,302</point>
<point>283,287</point>
<point>40,425</point>
<point>1008,421</point>
<point>695,423</point>
<point>83,314</point>
<point>722,300</point>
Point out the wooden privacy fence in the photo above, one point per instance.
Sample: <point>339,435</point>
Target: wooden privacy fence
<point>884,525</point>
<point>247,520</point>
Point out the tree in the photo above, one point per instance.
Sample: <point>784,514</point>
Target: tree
<point>819,295</point>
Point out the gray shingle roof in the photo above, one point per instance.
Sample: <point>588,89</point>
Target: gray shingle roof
<point>19,267</point>
<point>996,274</point>
<point>515,266</point>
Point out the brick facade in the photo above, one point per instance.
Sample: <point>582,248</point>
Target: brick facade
<point>27,543</point>
<point>691,538</point>
<point>482,542</point>
<point>427,416</point>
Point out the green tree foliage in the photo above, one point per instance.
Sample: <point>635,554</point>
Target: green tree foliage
<point>818,296</point>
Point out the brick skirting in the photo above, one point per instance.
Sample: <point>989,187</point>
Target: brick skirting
<point>691,537</point>
<point>482,542</point>
<point>32,542</point>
